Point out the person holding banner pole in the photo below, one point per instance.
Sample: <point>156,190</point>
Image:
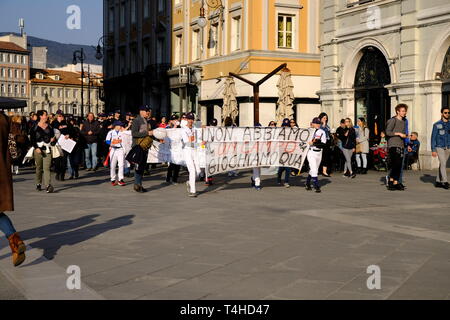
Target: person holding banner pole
<point>188,138</point>
<point>317,143</point>
<point>256,177</point>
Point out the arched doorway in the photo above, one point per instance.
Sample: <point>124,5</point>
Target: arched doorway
<point>372,100</point>
<point>445,77</point>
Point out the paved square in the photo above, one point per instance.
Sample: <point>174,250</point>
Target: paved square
<point>232,242</point>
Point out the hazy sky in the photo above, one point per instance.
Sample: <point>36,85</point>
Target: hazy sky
<point>47,19</point>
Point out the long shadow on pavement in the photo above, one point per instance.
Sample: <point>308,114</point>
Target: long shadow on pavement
<point>55,235</point>
<point>426,178</point>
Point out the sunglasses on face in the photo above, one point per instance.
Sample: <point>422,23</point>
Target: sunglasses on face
<point>446,112</point>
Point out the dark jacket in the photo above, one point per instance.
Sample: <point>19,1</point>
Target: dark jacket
<point>139,129</point>
<point>62,126</point>
<point>93,126</point>
<point>6,185</point>
<point>349,141</point>
<point>37,134</point>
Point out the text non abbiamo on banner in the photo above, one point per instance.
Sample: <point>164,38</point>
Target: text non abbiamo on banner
<point>232,148</point>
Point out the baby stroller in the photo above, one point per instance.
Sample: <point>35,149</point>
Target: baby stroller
<point>380,158</point>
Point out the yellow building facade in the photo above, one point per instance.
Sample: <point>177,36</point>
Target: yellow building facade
<point>250,38</point>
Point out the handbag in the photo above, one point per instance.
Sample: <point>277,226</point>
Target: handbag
<point>12,145</point>
<point>56,151</point>
<point>145,143</point>
<point>358,148</point>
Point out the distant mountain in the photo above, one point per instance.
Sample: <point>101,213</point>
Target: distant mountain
<point>60,54</point>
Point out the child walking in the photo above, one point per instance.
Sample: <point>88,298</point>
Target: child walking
<point>117,153</point>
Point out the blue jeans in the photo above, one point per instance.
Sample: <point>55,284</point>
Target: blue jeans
<point>286,175</point>
<point>6,225</point>
<point>91,151</point>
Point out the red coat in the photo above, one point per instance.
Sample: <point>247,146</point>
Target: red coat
<point>6,185</point>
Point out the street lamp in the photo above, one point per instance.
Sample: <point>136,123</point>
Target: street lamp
<point>215,5</point>
<point>79,55</point>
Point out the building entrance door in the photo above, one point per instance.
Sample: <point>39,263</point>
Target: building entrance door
<point>372,101</point>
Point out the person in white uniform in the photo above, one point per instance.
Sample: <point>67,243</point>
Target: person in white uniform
<point>188,138</point>
<point>117,153</point>
<point>314,156</point>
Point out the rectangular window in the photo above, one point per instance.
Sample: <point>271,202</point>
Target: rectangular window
<point>35,90</point>
<point>16,74</point>
<point>9,88</point>
<point>133,11</point>
<point>196,45</point>
<point>122,62</point>
<point>213,41</point>
<point>22,89</point>
<point>42,92</point>
<point>67,93</point>
<point>11,58</point>
<point>236,34</point>
<point>18,59</point>
<point>2,88</point>
<point>2,72</point>
<point>146,55</point>
<point>111,20</point>
<point>24,60</point>
<point>122,14</point>
<point>285,31</point>
<point>1,57</point>
<point>159,50</point>
<point>146,8</point>
<point>75,93</point>
<point>24,74</point>
<point>51,92</point>
<point>10,75</point>
<point>16,89</point>
<point>133,60</point>
<point>160,5</point>
<point>178,49</point>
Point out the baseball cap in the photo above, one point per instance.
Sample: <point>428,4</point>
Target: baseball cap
<point>144,108</point>
<point>190,116</point>
<point>174,117</point>
<point>117,123</point>
<point>316,121</point>
<point>59,112</point>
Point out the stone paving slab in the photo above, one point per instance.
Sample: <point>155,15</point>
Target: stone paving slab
<point>233,242</point>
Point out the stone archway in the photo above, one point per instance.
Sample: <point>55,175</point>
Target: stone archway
<point>350,65</point>
<point>372,101</point>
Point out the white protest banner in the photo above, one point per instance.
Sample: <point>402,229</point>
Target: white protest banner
<point>172,148</point>
<point>233,148</point>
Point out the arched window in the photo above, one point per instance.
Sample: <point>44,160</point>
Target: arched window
<point>373,70</point>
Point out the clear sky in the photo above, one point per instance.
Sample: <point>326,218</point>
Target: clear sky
<point>47,19</point>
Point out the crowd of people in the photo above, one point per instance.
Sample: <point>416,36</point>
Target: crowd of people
<point>348,149</point>
<point>100,142</point>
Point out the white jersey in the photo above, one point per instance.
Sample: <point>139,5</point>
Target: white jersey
<point>188,137</point>
<point>321,135</point>
<point>114,135</point>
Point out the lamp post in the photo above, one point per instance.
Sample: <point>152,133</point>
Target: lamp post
<point>79,55</point>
